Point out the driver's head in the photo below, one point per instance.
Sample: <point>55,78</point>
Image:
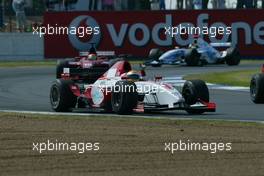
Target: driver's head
<point>91,57</point>
<point>92,50</point>
<point>133,76</point>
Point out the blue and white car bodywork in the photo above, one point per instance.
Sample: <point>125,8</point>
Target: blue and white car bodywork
<point>197,54</point>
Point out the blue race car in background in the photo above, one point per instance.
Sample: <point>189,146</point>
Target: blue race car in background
<point>197,54</point>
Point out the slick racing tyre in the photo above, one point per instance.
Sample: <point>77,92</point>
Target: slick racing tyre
<point>61,97</point>
<point>257,88</point>
<point>232,56</point>
<point>192,57</point>
<point>193,91</point>
<point>61,64</point>
<point>124,97</point>
<point>155,53</point>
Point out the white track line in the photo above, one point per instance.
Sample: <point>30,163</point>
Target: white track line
<point>178,80</point>
<point>231,88</point>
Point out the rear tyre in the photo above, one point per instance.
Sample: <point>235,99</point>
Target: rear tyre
<point>61,97</point>
<point>124,97</point>
<point>192,57</point>
<point>108,107</point>
<point>193,91</point>
<point>233,57</point>
<point>257,88</point>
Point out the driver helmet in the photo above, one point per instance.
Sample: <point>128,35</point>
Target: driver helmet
<point>92,57</point>
<point>133,76</point>
<point>194,44</point>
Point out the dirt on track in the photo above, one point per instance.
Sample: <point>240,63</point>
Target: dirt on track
<point>128,146</point>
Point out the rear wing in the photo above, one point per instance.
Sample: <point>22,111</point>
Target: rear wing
<point>99,53</point>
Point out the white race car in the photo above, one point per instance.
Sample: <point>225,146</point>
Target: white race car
<point>124,91</point>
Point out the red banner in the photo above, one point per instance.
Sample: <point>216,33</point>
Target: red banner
<point>136,32</point>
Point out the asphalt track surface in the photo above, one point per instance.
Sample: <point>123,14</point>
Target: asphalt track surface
<point>27,89</point>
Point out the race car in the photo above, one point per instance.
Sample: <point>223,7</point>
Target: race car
<point>88,66</point>
<point>257,87</point>
<point>197,54</point>
<point>123,91</point>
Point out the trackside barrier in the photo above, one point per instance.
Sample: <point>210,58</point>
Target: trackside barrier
<point>1,16</point>
<point>21,46</point>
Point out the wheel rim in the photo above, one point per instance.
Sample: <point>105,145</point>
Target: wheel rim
<point>117,99</point>
<point>187,94</point>
<point>253,89</point>
<point>55,96</point>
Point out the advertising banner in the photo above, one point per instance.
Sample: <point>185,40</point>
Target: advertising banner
<point>136,32</point>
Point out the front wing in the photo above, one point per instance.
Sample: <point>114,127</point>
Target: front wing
<point>204,106</point>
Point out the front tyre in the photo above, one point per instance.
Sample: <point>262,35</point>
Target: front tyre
<point>124,97</point>
<point>194,91</point>
<point>61,97</point>
<point>257,88</point>
<point>232,57</point>
<point>192,57</point>
<point>155,54</point>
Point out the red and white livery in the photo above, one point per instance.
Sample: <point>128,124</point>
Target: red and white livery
<point>124,91</point>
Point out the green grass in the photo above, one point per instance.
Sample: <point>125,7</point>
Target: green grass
<point>27,63</point>
<point>232,78</point>
<point>44,63</point>
<point>252,62</point>
<point>51,62</point>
